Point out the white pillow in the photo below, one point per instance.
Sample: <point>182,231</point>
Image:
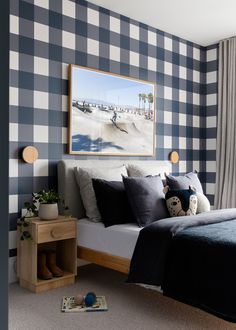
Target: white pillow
<point>135,170</point>
<point>203,204</point>
<point>84,179</point>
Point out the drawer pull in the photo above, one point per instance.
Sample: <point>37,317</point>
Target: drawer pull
<point>55,233</point>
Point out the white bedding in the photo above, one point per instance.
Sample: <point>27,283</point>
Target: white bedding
<point>118,240</point>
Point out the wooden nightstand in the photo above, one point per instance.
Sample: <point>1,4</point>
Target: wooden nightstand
<point>59,235</point>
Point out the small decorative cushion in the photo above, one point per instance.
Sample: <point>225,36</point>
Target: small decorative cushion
<point>146,198</point>
<point>184,181</point>
<point>84,179</point>
<point>181,202</point>
<point>112,202</point>
<point>203,204</point>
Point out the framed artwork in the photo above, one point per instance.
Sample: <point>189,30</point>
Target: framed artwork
<point>110,114</point>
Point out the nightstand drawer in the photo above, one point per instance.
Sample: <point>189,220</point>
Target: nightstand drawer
<point>54,232</point>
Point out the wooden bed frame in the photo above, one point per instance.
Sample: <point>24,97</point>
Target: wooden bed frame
<point>104,259</point>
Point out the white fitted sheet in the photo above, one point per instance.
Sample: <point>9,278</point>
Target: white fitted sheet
<point>118,240</point>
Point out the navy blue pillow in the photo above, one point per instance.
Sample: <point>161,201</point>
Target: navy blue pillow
<point>146,198</point>
<point>112,202</point>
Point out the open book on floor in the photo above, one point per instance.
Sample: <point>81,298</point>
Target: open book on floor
<point>69,305</point>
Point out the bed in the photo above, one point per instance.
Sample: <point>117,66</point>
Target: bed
<point>192,258</point>
<point>110,247</point>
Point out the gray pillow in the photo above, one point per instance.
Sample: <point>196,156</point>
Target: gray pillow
<point>184,181</point>
<point>84,178</point>
<point>135,170</point>
<point>146,198</point>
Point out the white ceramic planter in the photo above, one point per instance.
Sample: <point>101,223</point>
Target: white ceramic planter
<point>48,211</point>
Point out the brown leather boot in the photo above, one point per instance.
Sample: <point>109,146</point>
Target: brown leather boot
<point>52,266</point>
<point>43,271</point>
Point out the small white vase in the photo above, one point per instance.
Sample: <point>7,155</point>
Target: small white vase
<point>48,211</point>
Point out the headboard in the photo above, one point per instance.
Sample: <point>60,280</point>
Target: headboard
<point>69,190</point>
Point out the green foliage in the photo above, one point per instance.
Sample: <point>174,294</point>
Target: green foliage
<point>46,197</point>
<point>31,209</point>
<point>24,222</point>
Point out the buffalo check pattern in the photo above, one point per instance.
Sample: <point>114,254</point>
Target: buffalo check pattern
<point>48,35</point>
<point>211,119</point>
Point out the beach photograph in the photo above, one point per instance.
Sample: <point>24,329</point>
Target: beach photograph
<point>110,114</point>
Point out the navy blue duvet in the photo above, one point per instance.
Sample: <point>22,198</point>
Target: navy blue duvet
<point>193,259</point>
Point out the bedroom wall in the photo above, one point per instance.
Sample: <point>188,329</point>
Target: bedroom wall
<point>45,37</point>
<point>211,119</point>
<point>4,147</point>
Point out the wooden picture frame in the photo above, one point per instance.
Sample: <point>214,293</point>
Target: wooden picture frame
<point>100,125</point>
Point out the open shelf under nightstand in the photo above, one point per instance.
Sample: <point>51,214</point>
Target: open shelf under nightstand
<point>58,235</point>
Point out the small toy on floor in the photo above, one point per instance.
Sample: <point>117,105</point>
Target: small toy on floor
<point>88,300</point>
<point>88,303</point>
<point>79,299</point>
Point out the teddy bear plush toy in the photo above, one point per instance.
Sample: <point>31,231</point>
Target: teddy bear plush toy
<point>181,202</point>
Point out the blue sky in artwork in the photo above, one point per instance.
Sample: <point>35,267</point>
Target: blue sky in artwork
<point>89,85</point>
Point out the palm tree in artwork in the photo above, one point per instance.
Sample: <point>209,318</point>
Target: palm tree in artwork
<point>150,100</point>
<point>144,97</point>
<point>139,99</point>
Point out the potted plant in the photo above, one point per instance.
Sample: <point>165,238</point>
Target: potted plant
<point>47,198</point>
<point>48,204</point>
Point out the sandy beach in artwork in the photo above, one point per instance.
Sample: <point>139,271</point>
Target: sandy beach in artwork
<point>97,130</point>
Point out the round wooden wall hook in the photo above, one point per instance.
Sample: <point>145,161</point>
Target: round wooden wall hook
<point>174,157</point>
<point>30,154</point>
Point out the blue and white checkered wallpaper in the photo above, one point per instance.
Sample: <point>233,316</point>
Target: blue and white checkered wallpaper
<point>47,35</point>
<point>211,118</point>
